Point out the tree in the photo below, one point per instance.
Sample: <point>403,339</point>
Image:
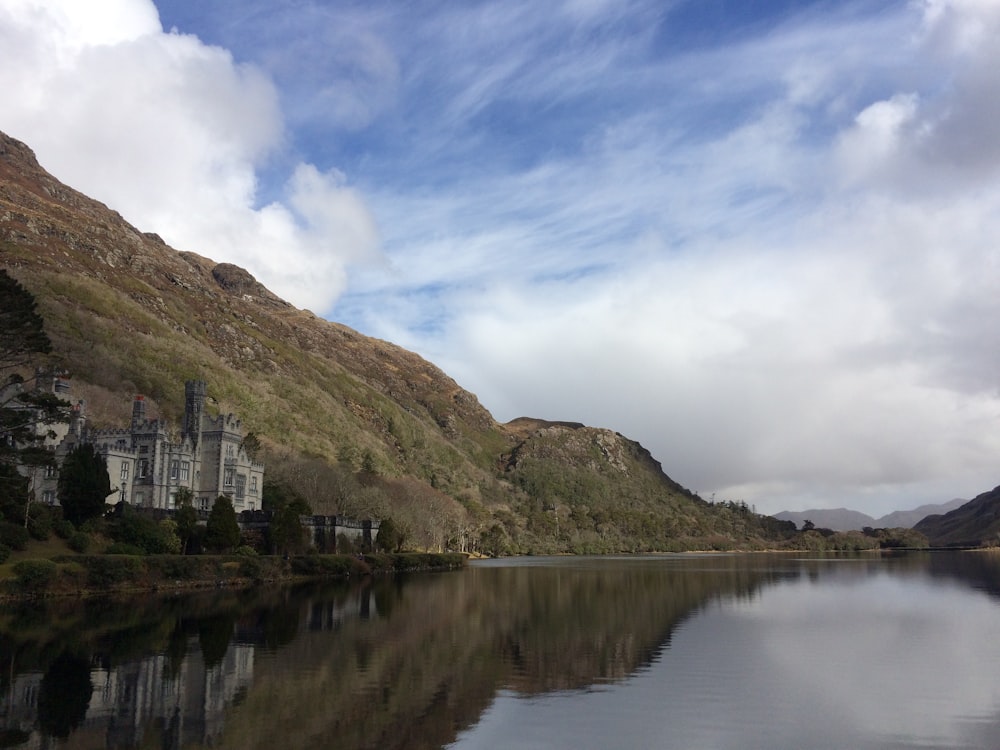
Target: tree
<point>390,537</point>
<point>22,333</point>
<point>286,532</point>
<point>186,517</point>
<point>24,414</point>
<point>251,444</point>
<point>222,532</point>
<point>84,484</point>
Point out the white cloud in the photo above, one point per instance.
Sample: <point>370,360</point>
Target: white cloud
<point>172,133</point>
<point>792,307</point>
<point>773,263</point>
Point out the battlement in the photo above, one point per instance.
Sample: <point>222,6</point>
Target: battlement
<point>224,422</point>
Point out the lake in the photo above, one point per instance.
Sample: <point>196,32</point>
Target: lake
<point>680,651</point>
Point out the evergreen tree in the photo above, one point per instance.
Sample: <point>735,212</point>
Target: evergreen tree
<point>222,532</point>
<point>390,537</point>
<point>285,531</point>
<point>186,517</point>
<point>24,413</point>
<point>22,334</point>
<point>84,484</point>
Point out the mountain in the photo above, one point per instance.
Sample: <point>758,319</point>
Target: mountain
<point>838,519</point>
<point>907,519</point>
<point>843,519</point>
<point>354,424</point>
<point>974,524</point>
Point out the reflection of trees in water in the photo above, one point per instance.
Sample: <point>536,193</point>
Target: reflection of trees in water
<point>435,649</point>
<point>64,694</point>
<point>416,678</point>
<point>980,569</point>
<point>214,634</point>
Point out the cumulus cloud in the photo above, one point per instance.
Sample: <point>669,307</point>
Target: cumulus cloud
<point>772,261</point>
<point>173,133</point>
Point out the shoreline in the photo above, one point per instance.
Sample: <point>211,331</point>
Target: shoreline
<point>81,576</point>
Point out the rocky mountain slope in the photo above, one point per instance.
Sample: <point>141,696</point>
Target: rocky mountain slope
<point>974,524</point>
<point>355,424</point>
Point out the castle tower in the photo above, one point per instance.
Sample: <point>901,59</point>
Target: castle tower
<point>138,411</point>
<point>77,419</point>
<point>195,392</point>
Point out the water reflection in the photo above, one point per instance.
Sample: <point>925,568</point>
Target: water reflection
<point>532,652</point>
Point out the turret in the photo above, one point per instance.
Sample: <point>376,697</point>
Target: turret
<point>138,411</point>
<point>195,392</point>
<point>77,419</point>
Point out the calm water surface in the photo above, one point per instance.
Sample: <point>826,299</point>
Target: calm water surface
<point>689,651</point>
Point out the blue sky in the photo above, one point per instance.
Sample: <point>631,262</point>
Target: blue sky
<point>757,237</point>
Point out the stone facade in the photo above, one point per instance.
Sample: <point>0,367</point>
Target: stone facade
<point>148,462</point>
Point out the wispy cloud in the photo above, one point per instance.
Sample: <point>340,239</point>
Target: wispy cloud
<point>763,245</point>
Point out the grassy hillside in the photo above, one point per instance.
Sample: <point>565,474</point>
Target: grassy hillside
<point>353,423</point>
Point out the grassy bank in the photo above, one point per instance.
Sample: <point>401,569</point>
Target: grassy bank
<point>76,575</point>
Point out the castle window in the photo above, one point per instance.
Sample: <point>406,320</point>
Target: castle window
<point>241,482</point>
<point>253,485</point>
<point>143,468</point>
<point>124,472</point>
<point>228,478</point>
<point>175,469</point>
<point>49,497</point>
<point>185,471</point>
<point>50,471</point>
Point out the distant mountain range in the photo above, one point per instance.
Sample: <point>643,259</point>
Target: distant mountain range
<point>844,519</point>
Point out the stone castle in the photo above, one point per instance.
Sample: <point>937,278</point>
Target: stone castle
<point>148,463</point>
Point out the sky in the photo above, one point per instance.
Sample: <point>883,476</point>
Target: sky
<point>762,239</point>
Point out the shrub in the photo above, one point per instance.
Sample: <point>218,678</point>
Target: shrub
<point>79,542</point>
<point>145,534</point>
<point>39,522</point>
<point>63,528</point>
<point>250,567</point>
<point>73,574</point>
<point>34,576</point>
<point>180,568</point>
<point>109,570</point>
<point>4,553</point>
<point>14,536</point>
<point>124,548</point>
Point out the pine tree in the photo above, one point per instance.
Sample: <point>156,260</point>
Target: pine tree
<point>84,484</point>
<point>22,333</point>
<point>222,532</point>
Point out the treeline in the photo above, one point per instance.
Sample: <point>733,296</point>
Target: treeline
<point>868,538</point>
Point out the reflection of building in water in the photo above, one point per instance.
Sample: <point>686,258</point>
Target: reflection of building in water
<point>18,704</point>
<point>185,702</point>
